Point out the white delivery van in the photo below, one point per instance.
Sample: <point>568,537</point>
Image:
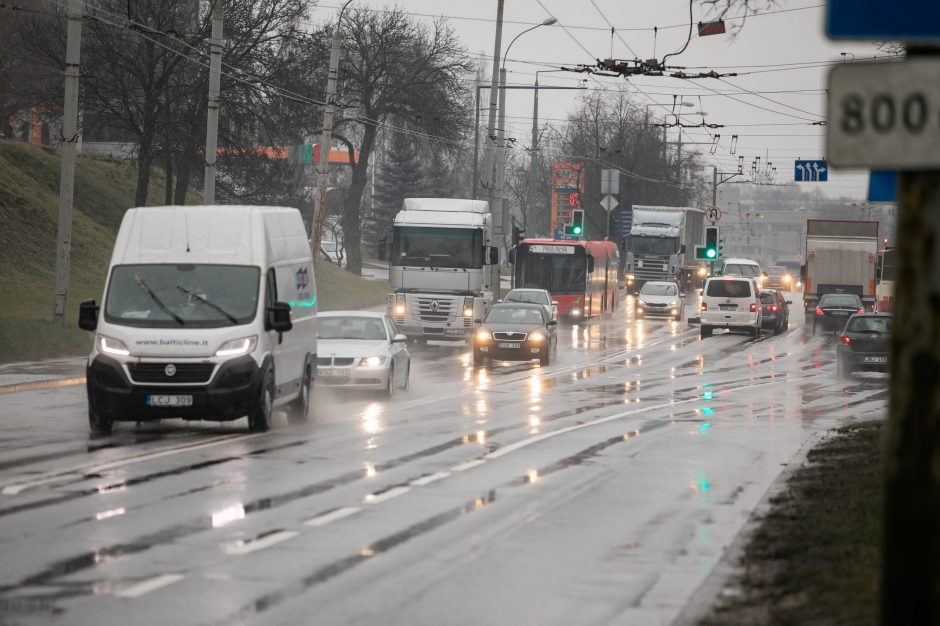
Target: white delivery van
<point>209,312</point>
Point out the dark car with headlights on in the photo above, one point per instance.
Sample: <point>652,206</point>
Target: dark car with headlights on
<point>775,311</point>
<point>834,309</point>
<point>864,344</point>
<point>515,332</point>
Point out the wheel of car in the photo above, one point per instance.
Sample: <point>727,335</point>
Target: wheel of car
<point>843,370</point>
<point>778,328</point>
<point>298,407</point>
<point>259,416</point>
<point>404,385</point>
<point>99,424</point>
<point>389,384</point>
<point>706,331</point>
<point>755,332</point>
<point>546,358</point>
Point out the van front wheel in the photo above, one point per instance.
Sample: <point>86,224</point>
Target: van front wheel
<point>259,416</point>
<point>99,424</point>
<point>298,408</point>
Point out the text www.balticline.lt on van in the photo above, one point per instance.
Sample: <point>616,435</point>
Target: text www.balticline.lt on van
<point>172,342</point>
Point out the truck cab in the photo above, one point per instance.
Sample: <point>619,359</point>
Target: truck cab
<point>443,266</point>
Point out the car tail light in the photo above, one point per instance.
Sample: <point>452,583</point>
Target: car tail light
<point>704,306</point>
<point>845,340</point>
<point>753,307</point>
<point>773,308</point>
<point>819,311</point>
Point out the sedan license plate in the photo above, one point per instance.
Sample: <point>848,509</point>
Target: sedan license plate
<point>876,359</point>
<point>172,401</point>
<point>332,372</point>
<point>727,307</point>
<point>509,345</point>
<point>839,313</point>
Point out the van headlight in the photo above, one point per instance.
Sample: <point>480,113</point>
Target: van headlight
<point>372,361</point>
<point>238,347</point>
<point>109,345</point>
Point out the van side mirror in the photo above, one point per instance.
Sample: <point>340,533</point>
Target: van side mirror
<point>278,318</point>
<point>494,255</point>
<point>88,315</point>
<point>789,301</point>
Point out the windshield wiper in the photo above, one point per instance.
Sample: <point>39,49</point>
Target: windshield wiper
<point>140,283</point>
<point>212,305</point>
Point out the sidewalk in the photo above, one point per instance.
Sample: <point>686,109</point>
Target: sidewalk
<point>42,374</point>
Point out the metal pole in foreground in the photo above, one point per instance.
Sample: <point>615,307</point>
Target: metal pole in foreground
<point>910,584</point>
<point>500,216</point>
<point>326,139</point>
<point>476,142</point>
<point>212,119</point>
<point>70,136</point>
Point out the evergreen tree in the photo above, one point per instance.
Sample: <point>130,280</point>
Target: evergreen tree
<point>399,177</point>
<point>438,182</point>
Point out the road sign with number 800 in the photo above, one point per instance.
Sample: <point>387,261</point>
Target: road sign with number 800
<point>885,115</point>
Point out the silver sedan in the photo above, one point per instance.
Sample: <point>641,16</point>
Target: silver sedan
<point>361,350</point>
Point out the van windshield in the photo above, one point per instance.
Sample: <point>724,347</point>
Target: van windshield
<point>722,288</point>
<point>174,296</point>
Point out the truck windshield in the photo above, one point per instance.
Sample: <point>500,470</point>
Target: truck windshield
<point>664,246</point>
<point>174,296</point>
<point>558,273</point>
<point>437,247</point>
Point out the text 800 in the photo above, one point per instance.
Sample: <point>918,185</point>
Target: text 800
<point>885,113</point>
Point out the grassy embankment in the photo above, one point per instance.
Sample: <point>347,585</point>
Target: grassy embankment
<point>815,557</point>
<point>104,189</point>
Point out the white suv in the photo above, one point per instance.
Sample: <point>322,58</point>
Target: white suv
<point>731,302</point>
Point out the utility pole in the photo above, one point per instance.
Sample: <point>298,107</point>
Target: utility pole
<point>326,139</point>
<point>500,216</point>
<point>70,136</point>
<point>533,155</point>
<point>476,142</point>
<point>489,153</point>
<point>212,119</point>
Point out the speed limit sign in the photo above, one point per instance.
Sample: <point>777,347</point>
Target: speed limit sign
<point>712,214</point>
<point>885,115</point>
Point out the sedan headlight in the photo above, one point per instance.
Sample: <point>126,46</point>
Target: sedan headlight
<point>109,345</point>
<point>484,335</point>
<point>536,337</point>
<point>372,361</point>
<point>238,347</point>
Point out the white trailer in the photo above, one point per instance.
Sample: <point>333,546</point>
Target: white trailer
<point>841,256</point>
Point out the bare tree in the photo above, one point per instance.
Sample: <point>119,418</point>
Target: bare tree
<point>401,75</point>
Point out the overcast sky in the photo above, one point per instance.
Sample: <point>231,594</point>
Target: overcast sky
<point>782,51</point>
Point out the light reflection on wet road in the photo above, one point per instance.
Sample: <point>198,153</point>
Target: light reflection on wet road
<point>600,489</point>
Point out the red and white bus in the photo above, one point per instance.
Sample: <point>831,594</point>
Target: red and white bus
<point>582,276</point>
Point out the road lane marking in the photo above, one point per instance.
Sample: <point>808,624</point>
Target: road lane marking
<point>13,487</point>
<point>332,516</point>
<point>149,585</point>
<point>431,478</point>
<point>375,498</point>
<point>42,384</point>
<point>267,541</point>
<point>468,465</point>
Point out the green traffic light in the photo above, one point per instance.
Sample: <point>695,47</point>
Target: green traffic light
<point>577,230</point>
<point>710,253</point>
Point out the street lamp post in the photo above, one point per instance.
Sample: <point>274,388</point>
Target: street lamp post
<point>500,217</point>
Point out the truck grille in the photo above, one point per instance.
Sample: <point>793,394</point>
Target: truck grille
<point>444,309</point>
<point>184,372</point>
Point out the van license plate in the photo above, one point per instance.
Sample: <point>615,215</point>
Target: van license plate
<point>509,345</point>
<point>727,307</point>
<point>173,401</point>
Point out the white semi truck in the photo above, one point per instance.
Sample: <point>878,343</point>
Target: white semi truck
<point>662,244</point>
<point>444,267</point>
<point>841,256</point>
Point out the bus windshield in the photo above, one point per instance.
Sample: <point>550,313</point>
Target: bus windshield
<point>664,246</point>
<point>418,246</point>
<point>558,273</point>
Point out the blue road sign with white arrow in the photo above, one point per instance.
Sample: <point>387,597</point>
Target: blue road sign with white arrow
<point>811,171</point>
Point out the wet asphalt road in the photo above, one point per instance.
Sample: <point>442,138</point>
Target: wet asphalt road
<point>601,489</point>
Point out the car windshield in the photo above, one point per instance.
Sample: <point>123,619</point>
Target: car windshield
<point>530,297</point>
<point>722,288</point>
<point>352,327</point>
<point>511,315</point>
<point>741,269</point>
<point>867,324</point>
<point>437,247</point>
<point>658,289</point>
<point>840,300</point>
<point>171,296</point>
<point>557,273</point>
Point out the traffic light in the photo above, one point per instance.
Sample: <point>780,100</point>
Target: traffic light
<point>711,243</point>
<point>518,234</point>
<point>576,228</point>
